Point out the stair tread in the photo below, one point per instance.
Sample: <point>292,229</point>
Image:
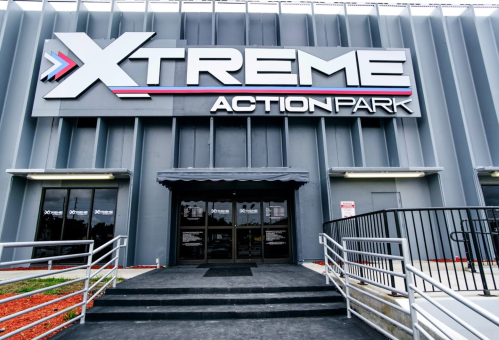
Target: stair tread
<point>216,290</point>
<point>216,308</point>
<point>283,295</point>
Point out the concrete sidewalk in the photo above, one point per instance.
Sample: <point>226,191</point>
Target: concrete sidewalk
<point>481,324</point>
<point>74,274</point>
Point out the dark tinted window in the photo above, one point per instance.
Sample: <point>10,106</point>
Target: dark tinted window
<point>77,218</point>
<point>220,213</point>
<point>192,213</point>
<point>51,219</point>
<point>248,213</point>
<point>275,213</point>
<point>76,214</point>
<point>491,195</point>
<point>103,218</point>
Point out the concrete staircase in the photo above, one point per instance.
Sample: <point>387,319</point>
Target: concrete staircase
<point>207,303</point>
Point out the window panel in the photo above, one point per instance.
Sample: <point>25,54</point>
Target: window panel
<point>192,213</point>
<point>77,219</point>
<point>220,213</point>
<point>103,218</point>
<point>248,213</point>
<point>276,213</point>
<point>51,219</point>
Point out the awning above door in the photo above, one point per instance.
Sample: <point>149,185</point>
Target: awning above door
<point>171,176</point>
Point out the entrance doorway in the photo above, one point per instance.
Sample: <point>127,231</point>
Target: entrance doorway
<point>230,230</point>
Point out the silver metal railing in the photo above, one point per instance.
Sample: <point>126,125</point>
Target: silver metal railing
<point>337,265</point>
<point>116,244</point>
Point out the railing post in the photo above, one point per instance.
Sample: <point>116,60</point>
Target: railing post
<point>389,248</point>
<point>357,234</point>
<point>87,283</point>
<point>323,240</point>
<point>486,290</point>
<point>410,292</point>
<point>116,262</point>
<point>347,276</point>
<point>399,235</point>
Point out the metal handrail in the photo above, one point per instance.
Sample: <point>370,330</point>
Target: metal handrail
<point>439,240</point>
<point>414,310</point>
<point>89,255</point>
<point>410,209</point>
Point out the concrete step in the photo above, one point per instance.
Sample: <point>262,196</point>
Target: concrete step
<point>217,290</point>
<point>217,299</point>
<point>215,312</point>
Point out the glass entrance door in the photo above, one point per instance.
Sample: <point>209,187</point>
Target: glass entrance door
<point>233,230</point>
<point>248,231</point>
<point>220,231</point>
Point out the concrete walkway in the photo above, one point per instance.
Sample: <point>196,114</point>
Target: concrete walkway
<point>330,328</point>
<point>74,274</point>
<point>491,304</point>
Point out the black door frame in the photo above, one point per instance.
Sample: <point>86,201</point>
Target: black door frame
<point>252,195</point>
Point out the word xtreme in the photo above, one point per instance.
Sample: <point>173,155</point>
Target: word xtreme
<point>326,80</point>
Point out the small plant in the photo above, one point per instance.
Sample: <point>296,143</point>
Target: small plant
<point>47,325</point>
<point>26,289</point>
<point>70,315</point>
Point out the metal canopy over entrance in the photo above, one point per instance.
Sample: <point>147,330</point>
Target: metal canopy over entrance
<point>170,176</point>
<point>227,228</point>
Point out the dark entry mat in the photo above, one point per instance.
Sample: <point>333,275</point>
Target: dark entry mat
<point>225,272</point>
<point>227,265</point>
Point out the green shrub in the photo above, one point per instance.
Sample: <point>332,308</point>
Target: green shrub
<point>70,315</point>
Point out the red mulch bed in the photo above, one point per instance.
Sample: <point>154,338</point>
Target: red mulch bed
<point>64,267</point>
<point>25,319</point>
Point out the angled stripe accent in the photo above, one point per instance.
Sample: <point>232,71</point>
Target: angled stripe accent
<point>262,90</point>
<point>45,75</point>
<point>62,65</point>
<point>70,64</point>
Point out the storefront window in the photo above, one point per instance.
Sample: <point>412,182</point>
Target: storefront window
<point>103,217</point>
<point>220,214</point>
<point>77,218</point>
<point>192,213</point>
<point>276,243</point>
<point>276,213</point>
<point>51,220</point>
<point>219,244</point>
<point>76,214</point>
<point>491,195</point>
<point>191,244</point>
<point>248,214</point>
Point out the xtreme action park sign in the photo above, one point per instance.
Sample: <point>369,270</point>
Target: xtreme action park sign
<point>135,75</point>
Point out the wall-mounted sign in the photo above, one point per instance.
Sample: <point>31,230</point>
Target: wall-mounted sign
<point>78,212</point>
<point>220,211</point>
<point>103,212</point>
<point>84,77</point>
<point>347,209</point>
<point>193,212</point>
<point>276,243</point>
<point>248,211</point>
<point>191,244</point>
<point>52,212</point>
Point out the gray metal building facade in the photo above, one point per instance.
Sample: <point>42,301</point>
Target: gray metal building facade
<point>455,142</point>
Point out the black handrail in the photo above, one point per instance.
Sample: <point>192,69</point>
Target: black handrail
<point>433,243</point>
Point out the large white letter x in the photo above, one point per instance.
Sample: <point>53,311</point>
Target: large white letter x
<point>99,63</point>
